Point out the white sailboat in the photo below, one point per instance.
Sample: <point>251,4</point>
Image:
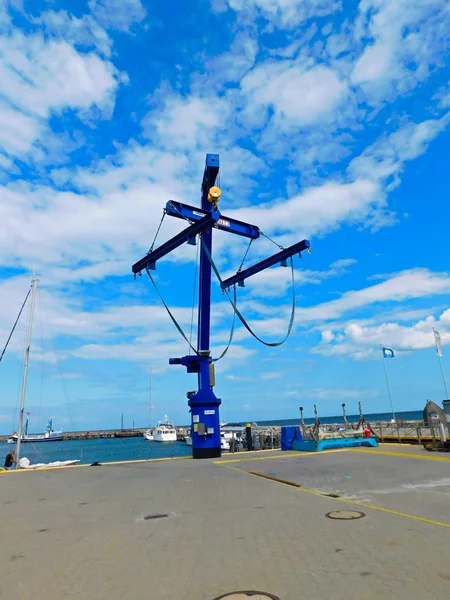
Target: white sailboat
<point>22,436</point>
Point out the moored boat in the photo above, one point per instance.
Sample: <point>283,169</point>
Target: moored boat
<point>48,436</point>
<point>165,432</point>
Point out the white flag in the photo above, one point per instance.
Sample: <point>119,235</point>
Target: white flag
<point>437,339</point>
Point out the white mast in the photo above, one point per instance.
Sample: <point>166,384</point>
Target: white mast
<point>150,400</point>
<point>34,282</point>
<point>437,339</point>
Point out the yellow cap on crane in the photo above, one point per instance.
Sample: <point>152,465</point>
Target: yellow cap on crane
<point>214,195</point>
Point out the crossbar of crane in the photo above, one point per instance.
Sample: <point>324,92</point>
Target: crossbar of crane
<point>149,261</point>
<point>193,213</point>
<point>264,264</point>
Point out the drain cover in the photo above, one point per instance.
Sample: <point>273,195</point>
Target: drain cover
<point>345,515</point>
<point>247,594</point>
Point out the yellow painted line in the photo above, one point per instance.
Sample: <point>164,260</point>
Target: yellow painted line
<point>104,464</point>
<point>144,460</point>
<point>403,454</point>
<point>300,488</point>
<point>397,445</point>
<point>283,455</point>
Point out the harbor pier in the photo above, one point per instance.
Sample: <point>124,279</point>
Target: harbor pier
<point>406,432</point>
<point>341,524</point>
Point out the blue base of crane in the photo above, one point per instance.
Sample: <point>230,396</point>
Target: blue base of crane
<point>205,424</point>
<point>204,408</point>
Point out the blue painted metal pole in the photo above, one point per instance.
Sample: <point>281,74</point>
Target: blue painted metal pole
<point>149,260</point>
<point>205,420</point>
<point>185,211</point>
<point>266,263</point>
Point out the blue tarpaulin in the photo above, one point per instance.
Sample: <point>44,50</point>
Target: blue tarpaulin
<point>288,435</point>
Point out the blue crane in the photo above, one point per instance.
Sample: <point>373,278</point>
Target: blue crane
<point>203,403</point>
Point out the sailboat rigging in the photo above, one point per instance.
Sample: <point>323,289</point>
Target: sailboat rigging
<point>148,435</point>
<point>21,435</point>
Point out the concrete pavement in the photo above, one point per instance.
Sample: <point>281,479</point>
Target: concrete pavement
<point>90,532</point>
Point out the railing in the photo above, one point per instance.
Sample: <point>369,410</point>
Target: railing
<point>267,438</point>
<point>408,432</point>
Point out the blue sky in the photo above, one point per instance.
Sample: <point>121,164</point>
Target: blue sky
<point>332,124</point>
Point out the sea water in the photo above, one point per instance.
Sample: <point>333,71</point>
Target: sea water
<point>138,448</point>
<point>103,450</point>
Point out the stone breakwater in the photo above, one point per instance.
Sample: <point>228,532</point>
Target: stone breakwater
<point>401,431</point>
<point>107,433</point>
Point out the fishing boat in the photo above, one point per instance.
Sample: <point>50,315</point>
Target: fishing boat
<point>165,432</point>
<point>49,435</point>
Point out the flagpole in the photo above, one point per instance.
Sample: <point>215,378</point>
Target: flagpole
<point>387,383</point>
<point>443,377</point>
<point>437,340</point>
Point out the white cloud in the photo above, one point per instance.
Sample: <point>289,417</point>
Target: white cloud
<point>232,377</point>
<point>117,14</point>
<point>327,336</point>
<point>357,341</point>
<point>299,94</point>
<point>407,40</point>
<point>444,96</point>
<point>232,65</point>
<point>287,13</point>
<point>361,338</point>
<point>18,131</point>
<point>272,375</point>
<point>276,281</point>
<point>343,263</point>
<point>41,78</point>
<point>373,63</point>
<point>317,210</point>
<point>187,122</point>
<point>83,31</point>
<point>384,160</point>
<point>413,283</point>
<point>5,162</point>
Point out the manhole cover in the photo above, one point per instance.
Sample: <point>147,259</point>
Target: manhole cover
<point>345,515</point>
<point>247,594</point>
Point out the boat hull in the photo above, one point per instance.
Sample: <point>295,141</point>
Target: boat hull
<point>32,438</point>
<point>225,440</point>
<point>165,437</point>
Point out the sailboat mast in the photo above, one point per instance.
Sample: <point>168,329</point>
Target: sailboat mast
<point>34,282</point>
<point>150,400</point>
